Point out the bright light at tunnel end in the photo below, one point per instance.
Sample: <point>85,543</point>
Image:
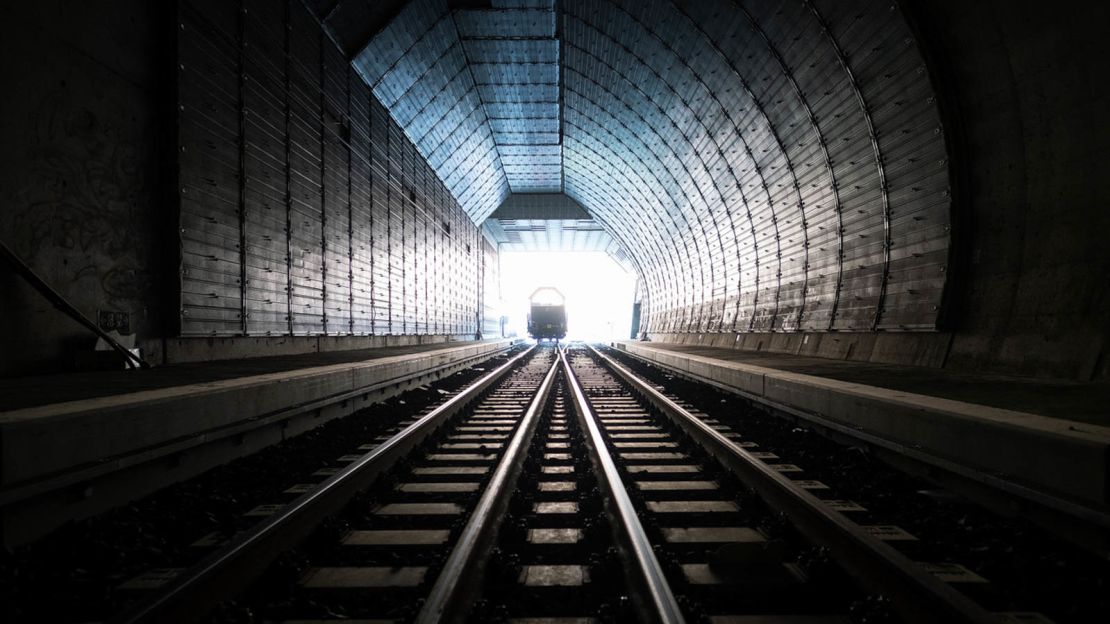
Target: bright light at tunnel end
<point>599,292</point>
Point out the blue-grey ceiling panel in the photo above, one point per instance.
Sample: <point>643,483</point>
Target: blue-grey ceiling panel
<point>498,110</point>
<point>513,51</point>
<point>418,68</point>
<point>526,138</point>
<point>506,23</point>
<point>548,5</point>
<point>514,61</point>
<point>515,73</point>
<point>519,93</point>
<point>536,151</point>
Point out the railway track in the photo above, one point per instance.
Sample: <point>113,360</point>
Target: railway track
<point>560,485</point>
<point>739,536</point>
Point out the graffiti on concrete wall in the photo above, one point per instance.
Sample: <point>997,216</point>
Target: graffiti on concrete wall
<point>83,211</point>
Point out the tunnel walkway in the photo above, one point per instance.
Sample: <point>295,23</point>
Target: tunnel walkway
<point>1068,400</point>
<point>1035,438</point>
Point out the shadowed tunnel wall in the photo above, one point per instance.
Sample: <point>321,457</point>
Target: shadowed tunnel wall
<point>83,198</point>
<point>1027,100</point>
<point>99,151</point>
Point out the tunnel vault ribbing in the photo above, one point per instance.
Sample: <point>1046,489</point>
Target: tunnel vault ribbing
<point>767,166</point>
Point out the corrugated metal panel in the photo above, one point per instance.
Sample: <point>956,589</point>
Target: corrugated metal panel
<point>417,67</point>
<point>338,252</point>
<point>304,208</point>
<point>490,294</point>
<point>209,174</point>
<point>362,207</point>
<point>769,167</point>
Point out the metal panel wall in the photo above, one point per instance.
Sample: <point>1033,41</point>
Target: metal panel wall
<point>266,171</point>
<point>304,207</point>
<point>768,166</point>
<point>362,207</point>
<point>490,293</point>
<point>210,172</point>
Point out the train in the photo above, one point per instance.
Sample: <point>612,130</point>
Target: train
<point>547,318</point>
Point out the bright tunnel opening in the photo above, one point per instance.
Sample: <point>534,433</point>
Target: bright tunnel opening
<point>599,292</point>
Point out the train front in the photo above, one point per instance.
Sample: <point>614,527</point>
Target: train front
<point>547,319</point>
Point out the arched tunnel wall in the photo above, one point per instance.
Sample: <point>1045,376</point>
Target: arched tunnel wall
<point>1021,98</point>
<point>87,180</point>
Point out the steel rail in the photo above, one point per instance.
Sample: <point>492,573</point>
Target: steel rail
<point>646,573</point>
<point>230,569</point>
<point>461,573</point>
<point>915,594</point>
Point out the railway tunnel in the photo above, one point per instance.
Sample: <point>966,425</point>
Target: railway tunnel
<point>257,257</point>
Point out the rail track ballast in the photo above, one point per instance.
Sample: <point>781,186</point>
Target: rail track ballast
<point>560,487</point>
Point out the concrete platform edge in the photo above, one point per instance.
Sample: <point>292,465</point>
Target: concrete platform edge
<point>44,440</point>
<point>1059,457</point>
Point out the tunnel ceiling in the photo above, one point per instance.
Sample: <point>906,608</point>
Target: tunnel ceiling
<point>550,222</point>
<point>767,166</point>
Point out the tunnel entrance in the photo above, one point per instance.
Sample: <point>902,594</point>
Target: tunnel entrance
<point>599,291</point>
